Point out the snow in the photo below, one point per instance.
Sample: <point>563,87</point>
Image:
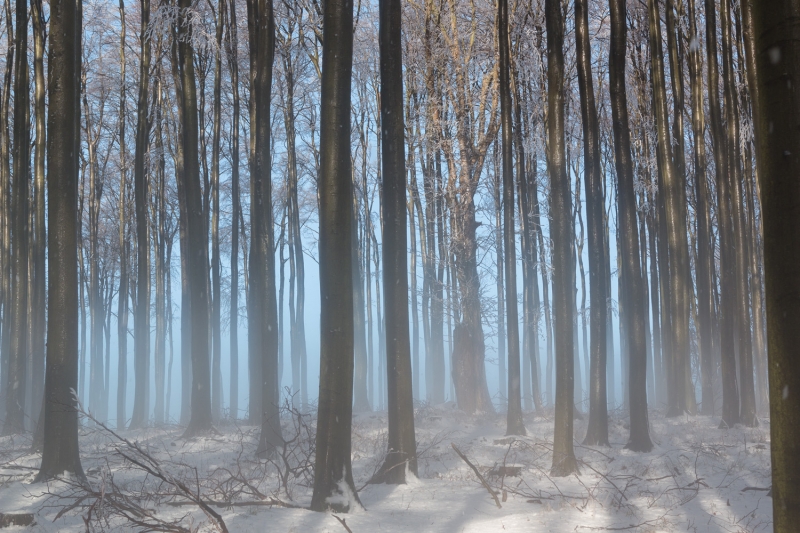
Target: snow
<point>693,480</point>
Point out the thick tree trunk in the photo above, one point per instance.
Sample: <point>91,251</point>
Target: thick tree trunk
<point>262,304</point>
<point>197,238</point>
<point>60,452</point>
<point>778,60</point>
<point>333,467</point>
<point>633,294</point>
<point>402,451</point>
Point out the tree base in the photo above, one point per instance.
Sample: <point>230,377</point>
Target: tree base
<point>592,439</point>
<point>566,466</point>
<point>640,445</point>
<point>200,430</point>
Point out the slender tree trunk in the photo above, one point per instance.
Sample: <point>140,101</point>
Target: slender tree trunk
<point>216,292</point>
<point>141,323</point>
<point>739,241</point>
<point>597,431</point>
<point>703,217</point>
<point>501,314</point>
<point>124,247</point>
<point>38,303</point>
<point>561,230</point>
<point>674,196</point>
<point>727,304</point>
<point>16,378</point>
<point>233,63</point>
<point>159,232</point>
<point>514,422</point>
<point>633,295</point>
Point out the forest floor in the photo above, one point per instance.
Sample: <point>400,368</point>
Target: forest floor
<point>697,478</point>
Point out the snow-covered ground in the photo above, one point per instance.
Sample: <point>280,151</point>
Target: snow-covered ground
<point>693,480</point>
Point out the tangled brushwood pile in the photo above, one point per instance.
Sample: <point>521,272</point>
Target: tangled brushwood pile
<point>698,478</point>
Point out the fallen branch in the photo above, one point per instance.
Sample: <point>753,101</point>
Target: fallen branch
<point>254,503</point>
<point>344,523</point>
<point>480,477</point>
<point>756,488</point>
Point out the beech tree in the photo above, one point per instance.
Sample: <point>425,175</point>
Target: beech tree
<point>60,443</point>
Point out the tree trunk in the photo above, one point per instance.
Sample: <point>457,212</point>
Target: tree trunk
<point>333,467</point>
<point>124,247</point>
<point>216,293</point>
<point>197,237</point>
<point>60,452</point>
<point>38,303</point>
<point>514,422</point>
<point>16,378</point>
<point>776,106</point>
<point>402,450</point>
<point>672,188</point>
<point>633,295</point>
<point>561,230</point>
<point>727,307</point>
<point>141,322</point>
<point>597,431</point>
<point>233,63</point>
<point>776,52</point>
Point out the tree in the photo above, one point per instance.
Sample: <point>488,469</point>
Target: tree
<point>333,482</point>
<point>141,320</point>
<point>561,231</point>
<point>124,247</point>
<point>514,422</point>
<point>673,191</point>
<point>197,239</point>
<point>16,373</point>
<point>634,301</point>
<point>402,453</point>
<point>60,452</point>
<point>778,61</point>
<point>262,305</point>
<point>233,62</point>
<point>597,431</point>
<point>39,233</point>
<point>727,305</point>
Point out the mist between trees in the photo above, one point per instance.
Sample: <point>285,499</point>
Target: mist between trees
<point>510,206</point>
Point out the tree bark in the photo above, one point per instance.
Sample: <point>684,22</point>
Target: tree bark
<point>633,294</point>
<point>141,322</point>
<point>197,238</point>
<point>60,452</point>
<point>778,60</point>
<point>38,296</point>
<point>597,431</point>
<point>332,465</point>
<point>16,375</point>
<point>561,231</point>
<point>514,422</point>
